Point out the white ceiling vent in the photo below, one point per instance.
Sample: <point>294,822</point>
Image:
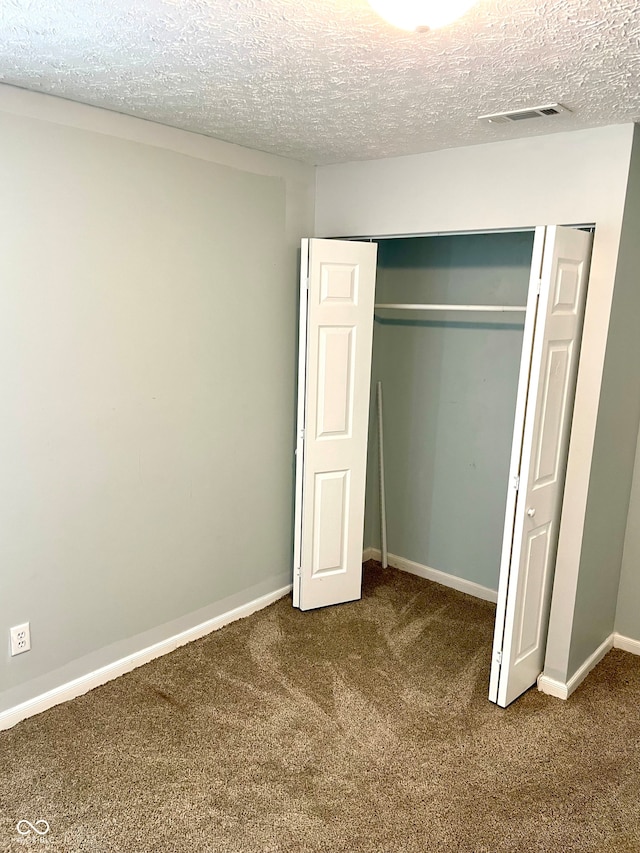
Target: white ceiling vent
<point>546,111</point>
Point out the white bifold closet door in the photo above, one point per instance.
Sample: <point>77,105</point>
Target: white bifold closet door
<point>544,409</point>
<point>336,329</point>
<point>336,332</point>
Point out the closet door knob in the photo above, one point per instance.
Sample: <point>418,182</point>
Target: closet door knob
<point>531,512</point>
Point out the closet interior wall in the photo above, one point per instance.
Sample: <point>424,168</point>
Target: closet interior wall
<point>450,382</point>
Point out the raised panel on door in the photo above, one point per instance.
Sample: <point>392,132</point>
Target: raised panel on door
<point>529,618</point>
<point>529,564</point>
<point>557,375</point>
<point>338,299</point>
<point>330,504</point>
<point>336,365</point>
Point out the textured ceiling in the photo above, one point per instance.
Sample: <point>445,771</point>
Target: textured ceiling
<point>326,81</point>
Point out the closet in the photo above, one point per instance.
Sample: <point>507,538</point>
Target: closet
<point>475,339</point>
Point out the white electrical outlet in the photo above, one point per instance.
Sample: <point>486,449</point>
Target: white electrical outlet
<point>20,639</point>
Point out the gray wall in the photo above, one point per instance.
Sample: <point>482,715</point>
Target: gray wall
<point>449,385</point>
<point>628,612</point>
<point>147,371</point>
<point>628,606</point>
<point>615,445</point>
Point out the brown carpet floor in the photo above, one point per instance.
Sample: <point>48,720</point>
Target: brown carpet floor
<point>364,727</point>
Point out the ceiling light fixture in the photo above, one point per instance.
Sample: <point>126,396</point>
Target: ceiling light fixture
<point>421,15</point>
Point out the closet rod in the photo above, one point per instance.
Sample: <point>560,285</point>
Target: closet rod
<point>405,307</point>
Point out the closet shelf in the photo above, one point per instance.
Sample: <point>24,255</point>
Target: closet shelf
<point>426,307</point>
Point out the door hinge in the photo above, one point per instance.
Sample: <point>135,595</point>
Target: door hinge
<point>516,482</point>
<point>498,657</point>
<point>538,287</point>
<point>298,571</point>
<point>306,283</point>
<point>303,433</point>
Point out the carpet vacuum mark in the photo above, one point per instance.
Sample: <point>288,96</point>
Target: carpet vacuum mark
<point>362,728</point>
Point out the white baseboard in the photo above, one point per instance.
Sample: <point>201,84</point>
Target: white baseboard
<point>87,682</point>
<point>562,689</point>
<point>462,585</point>
<point>553,687</point>
<point>626,644</point>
